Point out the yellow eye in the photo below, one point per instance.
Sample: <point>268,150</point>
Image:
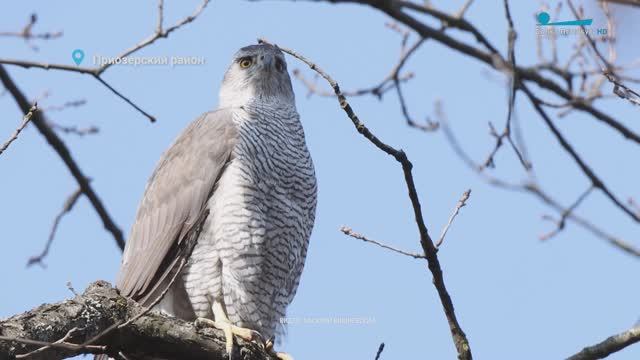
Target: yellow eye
<point>245,63</point>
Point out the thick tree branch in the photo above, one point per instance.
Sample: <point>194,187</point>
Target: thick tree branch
<point>99,308</point>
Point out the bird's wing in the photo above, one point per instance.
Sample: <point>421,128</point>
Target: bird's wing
<point>175,195</point>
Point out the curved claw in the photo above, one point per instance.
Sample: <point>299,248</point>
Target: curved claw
<point>230,330</point>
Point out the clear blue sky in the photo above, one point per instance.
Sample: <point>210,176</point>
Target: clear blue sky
<point>515,296</point>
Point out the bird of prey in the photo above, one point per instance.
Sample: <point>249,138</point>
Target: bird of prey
<point>247,163</point>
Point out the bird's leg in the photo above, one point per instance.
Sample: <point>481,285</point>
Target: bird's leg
<point>223,323</point>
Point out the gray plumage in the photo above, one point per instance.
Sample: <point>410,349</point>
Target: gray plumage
<point>248,163</point>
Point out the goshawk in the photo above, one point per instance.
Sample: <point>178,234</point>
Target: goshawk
<point>248,164</point>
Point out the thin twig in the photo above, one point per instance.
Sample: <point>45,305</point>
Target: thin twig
<point>377,90</point>
<point>92,349</point>
<point>158,34</point>
<point>97,71</point>
<point>126,99</point>
<point>160,16</point>
<point>66,105</point>
<point>560,224</point>
<point>609,346</point>
<point>379,352</point>
<point>90,130</point>
<point>393,80</point>
<point>514,80</point>
<point>25,120</point>
<point>634,205</point>
<point>626,2</point>
<point>348,231</point>
<point>66,208</point>
<point>63,151</point>
<point>71,288</point>
<point>461,203</point>
<point>605,63</point>
<point>27,33</point>
<point>41,349</point>
<point>608,69</point>
<point>460,13</point>
<point>623,91</point>
<point>529,188</point>
<point>394,9</point>
<point>586,170</point>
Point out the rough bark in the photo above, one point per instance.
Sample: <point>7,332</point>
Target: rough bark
<point>99,308</point>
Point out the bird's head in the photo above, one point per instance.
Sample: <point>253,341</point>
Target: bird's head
<point>258,72</point>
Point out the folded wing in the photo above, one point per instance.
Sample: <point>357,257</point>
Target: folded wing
<point>175,196</point>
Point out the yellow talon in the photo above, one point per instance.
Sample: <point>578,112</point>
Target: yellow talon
<point>223,323</point>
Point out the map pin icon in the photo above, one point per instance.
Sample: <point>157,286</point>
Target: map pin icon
<point>77,55</point>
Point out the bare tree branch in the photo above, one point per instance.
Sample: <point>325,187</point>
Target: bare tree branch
<point>513,87</point>
<point>126,99</point>
<point>394,8</point>
<point>80,131</point>
<point>595,179</point>
<point>461,203</point>
<point>66,208</point>
<point>379,352</point>
<point>607,68</point>
<point>623,91</point>
<point>609,346</point>
<point>349,232</point>
<point>28,35</point>
<point>430,251</point>
<point>25,120</point>
<point>625,2</point>
<point>403,12</point>
<point>159,33</point>
<point>63,340</point>
<point>560,224</point>
<point>97,71</point>
<point>530,187</point>
<point>100,307</point>
<point>66,105</point>
<point>58,145</point>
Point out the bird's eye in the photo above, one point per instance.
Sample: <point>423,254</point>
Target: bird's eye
<point>279,65</point>
<point>245,62</point>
